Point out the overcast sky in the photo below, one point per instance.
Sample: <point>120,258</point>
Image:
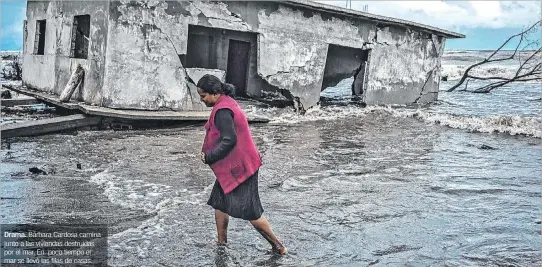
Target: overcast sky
<point>486,23</point>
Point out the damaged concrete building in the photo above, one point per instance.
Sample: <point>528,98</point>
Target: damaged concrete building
<point>139,54</point>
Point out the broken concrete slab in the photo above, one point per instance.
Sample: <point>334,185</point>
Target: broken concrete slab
<point>18,102</point>
<point>37,127</point>
<point>166,115</point>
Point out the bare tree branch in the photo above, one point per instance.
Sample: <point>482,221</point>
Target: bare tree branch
<point>529,69</point>
<point>527,60</point>
<point>529,76</point>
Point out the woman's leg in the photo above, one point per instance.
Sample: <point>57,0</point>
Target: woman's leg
<point>222,220</point>
<point>262,226</point>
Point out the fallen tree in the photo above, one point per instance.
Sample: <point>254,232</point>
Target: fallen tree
<point>527,52</point>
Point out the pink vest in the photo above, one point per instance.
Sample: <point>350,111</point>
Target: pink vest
<point>244,160</point>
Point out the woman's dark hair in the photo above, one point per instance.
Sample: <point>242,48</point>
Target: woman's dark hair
<point>212,85</point>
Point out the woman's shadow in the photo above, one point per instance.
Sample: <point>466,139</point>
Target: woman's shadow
<point>225,258</point>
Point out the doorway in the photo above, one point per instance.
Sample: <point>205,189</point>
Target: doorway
<point>238,62</point>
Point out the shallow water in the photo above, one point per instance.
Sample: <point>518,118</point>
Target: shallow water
<point>372,189</point>
<point>456,183</point>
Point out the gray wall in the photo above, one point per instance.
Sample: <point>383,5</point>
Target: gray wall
<point>51,71</point>
<point>293,45</point>
<point>405,67</point>
<point>143,69</point>
<point>142,41</point>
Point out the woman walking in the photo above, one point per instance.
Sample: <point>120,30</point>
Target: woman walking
<point>229,150</point>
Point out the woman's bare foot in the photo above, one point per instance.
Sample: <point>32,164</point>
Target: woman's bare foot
<point>263,227</point>
<point>280,250</point>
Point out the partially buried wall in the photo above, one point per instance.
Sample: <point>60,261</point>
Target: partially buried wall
<point>144,60</point>
<point>404,67</point>
<point>288,49</point>
<point>149,42</point>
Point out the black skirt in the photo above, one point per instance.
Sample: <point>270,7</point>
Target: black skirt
<point>243,202</point>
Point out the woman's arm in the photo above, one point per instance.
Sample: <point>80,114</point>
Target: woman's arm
<point>228,137</point>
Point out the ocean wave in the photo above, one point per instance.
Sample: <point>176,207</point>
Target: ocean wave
<point>466,57</point>
<point>454,63</point>
<point>485,53</point>
<point>10,82</point>
<point>512,125</point>
<point>316,113</point>
<point>455,72</point>
<point>456,52</point>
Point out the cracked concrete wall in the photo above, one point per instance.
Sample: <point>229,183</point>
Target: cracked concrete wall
<point>290,53</point>
<point>405,67</point>
<point>143,69</point>
<point>51,71</point>
<point>293,45</point>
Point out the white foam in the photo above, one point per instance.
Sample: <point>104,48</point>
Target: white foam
<point>455,72</point>
<point>161,201</point>
<point>513,125</point>
<point>318,113</point>
<point>140,195</point>
<point>11,82</point>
